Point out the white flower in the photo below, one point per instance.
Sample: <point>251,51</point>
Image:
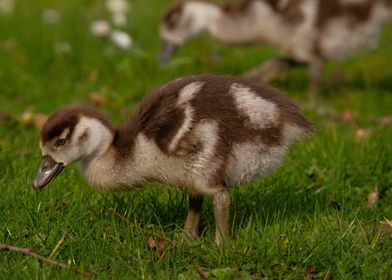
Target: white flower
<point>117,6</point>
<point>51,16</point>
<point>7,6</point>
<point>121,39</point>
<point>62,47</point>
<point>100,28</point>
<point>119,19</point>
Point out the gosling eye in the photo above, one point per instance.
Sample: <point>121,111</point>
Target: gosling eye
<point>60,142</point>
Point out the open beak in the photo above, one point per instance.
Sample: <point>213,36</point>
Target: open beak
<point>48,170</point>
<point>167,51</point>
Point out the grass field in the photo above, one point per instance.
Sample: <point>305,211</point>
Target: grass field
<point>309,220</point>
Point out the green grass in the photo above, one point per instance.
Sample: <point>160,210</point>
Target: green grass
<point>312,213</point>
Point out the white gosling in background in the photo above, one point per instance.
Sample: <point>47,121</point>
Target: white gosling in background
<point>203,134</point>
<point>308,32</point>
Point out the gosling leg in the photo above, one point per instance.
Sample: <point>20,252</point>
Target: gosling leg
<point>192,223</point>
<point>316,67</point>
<point>221,203</point>
<point>272,69</point>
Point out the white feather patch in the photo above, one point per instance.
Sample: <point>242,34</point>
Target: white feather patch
<point>64,134</point>
<point>184,96</point>
<point>188,92</point>
<point>262,113</point>
<point>186,126</point>
<point>292,133</point>
<point>208,133</point>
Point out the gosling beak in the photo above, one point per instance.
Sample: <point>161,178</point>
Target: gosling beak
<point>48,170</point>
<point>167,51</point>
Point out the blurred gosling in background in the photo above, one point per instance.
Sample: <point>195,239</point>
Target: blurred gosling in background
<point>308,32</point>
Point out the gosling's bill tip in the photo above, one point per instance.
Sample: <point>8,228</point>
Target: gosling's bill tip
<point>48,170</point>
<point>167,51</point>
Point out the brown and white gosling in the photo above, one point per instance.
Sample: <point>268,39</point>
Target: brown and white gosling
<point>306,31</point>
<point>203,134</point>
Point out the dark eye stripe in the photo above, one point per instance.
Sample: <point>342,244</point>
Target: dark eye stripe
<point>68,117</point>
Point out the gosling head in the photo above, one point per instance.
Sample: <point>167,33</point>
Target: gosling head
<point>183,21</point>
<point>71,134</point>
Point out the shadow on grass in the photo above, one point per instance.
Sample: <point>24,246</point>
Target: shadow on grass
<point>158,207</point>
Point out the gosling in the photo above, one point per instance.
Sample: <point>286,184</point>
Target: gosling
<point>203,134</point>
<point>308,32</point>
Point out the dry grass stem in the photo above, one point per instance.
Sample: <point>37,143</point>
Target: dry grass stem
<point>29,252</point>
<point>56,247</point>
<point>132,225</point>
